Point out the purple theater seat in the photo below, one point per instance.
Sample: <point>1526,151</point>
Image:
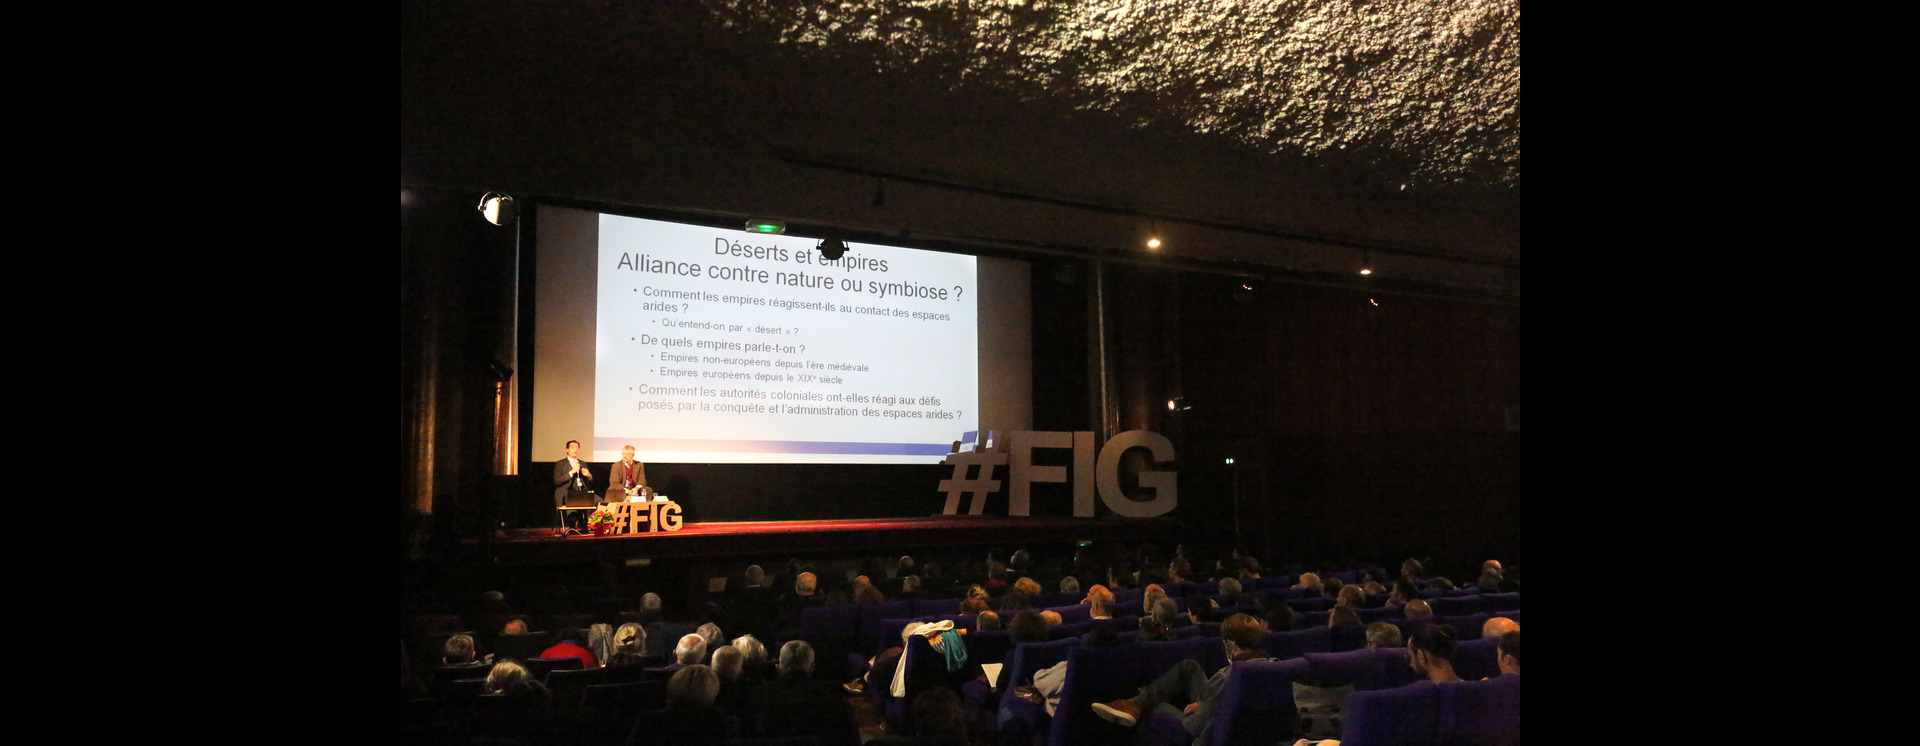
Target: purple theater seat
<point>1106,674</point>
<point>1477,659</point>
<point>1457,605</point>
<point>1499,602</point>
<point>1300,642</point>
<point>1468,626</point>
<point>871,614</point>
<point>1392,717</point>
<point>1256,702</point>
<point>828,623</point>
<point>538,668</point>
<point>1366,668</point>
<point>925,607</point>
<point>1408,625</point>
<point>1018,720</point>
<point>1480,713</point>
<point>1346,637</point>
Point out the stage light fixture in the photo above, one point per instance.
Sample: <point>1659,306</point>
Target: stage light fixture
<point>832,249</point>
<point>1153,243</point>
<point>498,209</point>
<point>766,226</point>
<point>1366,263</point>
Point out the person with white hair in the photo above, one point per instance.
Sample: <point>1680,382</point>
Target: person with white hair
<point>794,705</point>
<point>629,646</point>
<point>691,650</point>
<point>753,654</point>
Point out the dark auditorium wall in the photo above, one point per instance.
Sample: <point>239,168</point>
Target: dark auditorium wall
<point>1366,430</point>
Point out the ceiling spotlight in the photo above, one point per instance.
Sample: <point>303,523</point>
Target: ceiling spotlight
<point>1366,263</point>
<point>1375,302</point>
<point>1153,243</point>
<point>766,226</point>
<point>498,208</point>
<point>832,249</point>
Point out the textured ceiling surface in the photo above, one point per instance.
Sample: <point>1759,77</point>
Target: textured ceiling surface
<point>1429,89</point>
<point>1283,139</point>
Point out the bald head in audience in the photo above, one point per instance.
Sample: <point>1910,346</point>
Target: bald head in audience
<point>805,584</point>
<point>692,649</point>
<point>1498,626</point>
<point>515,627</point>
<point>1418,607</point>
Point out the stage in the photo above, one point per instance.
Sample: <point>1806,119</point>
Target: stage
<point>775,541</point>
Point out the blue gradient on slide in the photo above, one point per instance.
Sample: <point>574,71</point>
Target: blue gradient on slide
<point>773,446</point>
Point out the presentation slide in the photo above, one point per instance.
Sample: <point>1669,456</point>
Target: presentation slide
<point>721,346</point>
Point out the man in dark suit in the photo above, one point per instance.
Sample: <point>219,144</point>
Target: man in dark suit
<point>569,474</point>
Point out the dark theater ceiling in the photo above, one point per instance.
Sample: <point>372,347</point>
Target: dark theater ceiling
<point>1284,140</point>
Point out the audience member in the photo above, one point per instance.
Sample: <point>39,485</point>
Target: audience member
<point>1342,615</point>
<point>1167,612</point>
<point>1028,626</point>
<point>459,652</point>
<point>1187,690</point>
<point>1200,608</point>
<point>1279,616</point>
<point>711,633</point>
<point>1152,629</point>
<point>753,656</point>
<point>1383,635</point>
<point>1418,608</point>
<point>1498,626</point>
<point>1430,650</point>
<point>691,716</point>
<point>569,647</point>
<point>1510,653</point>
<point>600,642</point>
<point>793,705</point>
<point>691,650</point>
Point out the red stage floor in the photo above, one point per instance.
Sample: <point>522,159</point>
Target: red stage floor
<point>769,539</point>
